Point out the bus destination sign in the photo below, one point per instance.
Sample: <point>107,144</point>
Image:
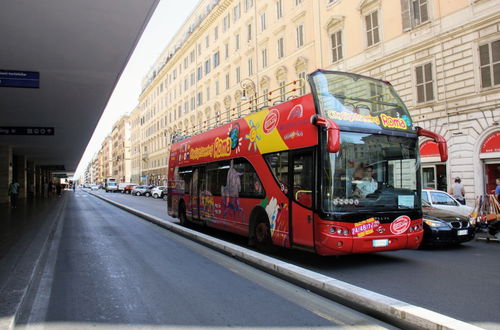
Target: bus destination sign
<point>9,130</point>
<point>24,79</point>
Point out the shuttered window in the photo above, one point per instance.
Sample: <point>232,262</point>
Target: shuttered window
<point>489,57</point>
<point>414,13</point>
<point>372,28</point>
<point>425,83</point>
<point>336,39</point>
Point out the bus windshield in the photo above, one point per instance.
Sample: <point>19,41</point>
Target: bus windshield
<point>371,172</point>
<point>360,102</point>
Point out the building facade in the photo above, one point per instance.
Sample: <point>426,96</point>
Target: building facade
<point>120,136</point>
<point>443,58</point>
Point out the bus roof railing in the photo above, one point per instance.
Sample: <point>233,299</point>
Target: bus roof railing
<point>254,104</point>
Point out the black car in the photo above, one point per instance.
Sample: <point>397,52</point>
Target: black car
<point>443,227</point>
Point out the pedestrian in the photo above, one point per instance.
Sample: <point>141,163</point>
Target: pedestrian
<point>497,190</point>
<point>31,191</point>
<point>46,189</point>
<point>457,190</point>
<point>51,188</point>
<point>14,193</point>
<point>58,189</point>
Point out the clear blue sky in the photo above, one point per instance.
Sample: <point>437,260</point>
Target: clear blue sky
<point>164,23</point>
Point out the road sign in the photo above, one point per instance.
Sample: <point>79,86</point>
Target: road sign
<point>9,130</point>
<point>26,79</point>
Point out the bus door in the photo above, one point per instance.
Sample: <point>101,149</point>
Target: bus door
<point>301,198</point>
<point>194,197</point>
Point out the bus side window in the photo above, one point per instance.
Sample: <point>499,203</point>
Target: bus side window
<point>278,163</point>
<point>250,182</point>
<point>185,176</point>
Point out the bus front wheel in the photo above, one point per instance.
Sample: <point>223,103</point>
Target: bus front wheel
<point>182,215</point>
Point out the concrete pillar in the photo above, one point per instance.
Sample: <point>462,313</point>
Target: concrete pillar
<point>5,172</point>
<point>20,173</point>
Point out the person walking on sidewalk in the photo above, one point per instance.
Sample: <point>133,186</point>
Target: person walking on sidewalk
<point>14,193</point>
<point>497,190</point>
<point>457,190</point>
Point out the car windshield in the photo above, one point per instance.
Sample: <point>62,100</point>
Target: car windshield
<point>357,101</point>
<point>371,172</point>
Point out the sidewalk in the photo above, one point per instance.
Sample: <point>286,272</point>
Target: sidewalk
<point>24,233</point>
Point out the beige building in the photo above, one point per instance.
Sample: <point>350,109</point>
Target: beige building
<point>120,152</point>
<point>442,56</point>
<point>135,145</point>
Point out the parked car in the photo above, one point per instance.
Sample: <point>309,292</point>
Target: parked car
<point>157,191</point>
<point>128,188</point>
<point>142,190</point>
<point>442,227</point>
<point>164,194</point>
<point>444,201</point>
<point>122,185</point>
<point>93,187</point>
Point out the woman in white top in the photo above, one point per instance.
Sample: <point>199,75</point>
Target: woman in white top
<point>457,190</point>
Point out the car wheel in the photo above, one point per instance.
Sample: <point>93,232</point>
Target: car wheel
<point>138,194</point>
<point>155,195</point>
<point>147,194</point>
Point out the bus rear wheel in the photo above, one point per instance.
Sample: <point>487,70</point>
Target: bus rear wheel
<point>262,236</point>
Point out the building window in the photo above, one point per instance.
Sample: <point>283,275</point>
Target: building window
<point>265,93</point>
<point>192,78</point>
<point>227,81</point>
<point>414,13</point>
<point>238,75</point>
<point>186,108</point>
<point>216,33</point>
<point>281,46</point>
<point>186,84</point>
<point>249,32</point>
<point>250,66</point>
<point>300,36</point>
<point>237,41</point>
<point>264,58</point>
<point>216,59</point>
<point>425,89</point>
<point>199,73</point>
<point>207,66</point>
<point>282,90</point>
<point>226,22</point>
<point>186,62</point>
<point>302,76</point>
<point>279,9</point>
<point>193,104</point>
<point>372,28</point>
<point>226,51</point>
<point>248,5</point>
<point>217,87</point>
<point>263,22</point>
<point>336,39</point>
<point>298,2</point>
<point>208,93</point>
<point>489,56</point>
<point>207,41</point>
<point>191,56</point>
<point>199,99</point>
<point>236,12</point>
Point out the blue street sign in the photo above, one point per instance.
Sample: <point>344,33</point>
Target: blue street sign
<point>26,79</point>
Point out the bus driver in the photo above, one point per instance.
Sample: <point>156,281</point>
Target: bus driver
<point>368,184</point>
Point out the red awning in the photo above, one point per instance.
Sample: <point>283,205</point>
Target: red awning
<point>429,149</point>
<point>492,143</point>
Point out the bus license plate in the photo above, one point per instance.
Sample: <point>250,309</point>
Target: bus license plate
<point>462,232</point>
<point>380,242</point>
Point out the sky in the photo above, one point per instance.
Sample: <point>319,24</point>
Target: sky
<point>163,25</point>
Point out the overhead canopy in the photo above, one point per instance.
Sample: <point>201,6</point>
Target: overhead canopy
<point>78,49</point>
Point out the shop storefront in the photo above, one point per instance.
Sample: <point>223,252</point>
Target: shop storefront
<point>433,170</point>
<point>490,157</point>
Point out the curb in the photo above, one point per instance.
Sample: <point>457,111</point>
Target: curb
<point>385,308</point>
<point>16,288</point>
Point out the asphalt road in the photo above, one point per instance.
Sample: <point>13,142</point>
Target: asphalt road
<point>462,282</point>
<point>107,268</point>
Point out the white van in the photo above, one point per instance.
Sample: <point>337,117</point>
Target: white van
<point>110,185</point>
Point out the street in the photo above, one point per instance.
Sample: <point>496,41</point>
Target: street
<point>455,281</point>
<point>108,268</point>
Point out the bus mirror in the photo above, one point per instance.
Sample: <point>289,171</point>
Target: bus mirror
<point>441,142</point>
<point>332,133</point>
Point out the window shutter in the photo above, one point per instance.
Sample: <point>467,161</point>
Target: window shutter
<point>405,13</point>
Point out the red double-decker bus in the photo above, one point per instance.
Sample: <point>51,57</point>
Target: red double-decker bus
<point>336,171</point>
